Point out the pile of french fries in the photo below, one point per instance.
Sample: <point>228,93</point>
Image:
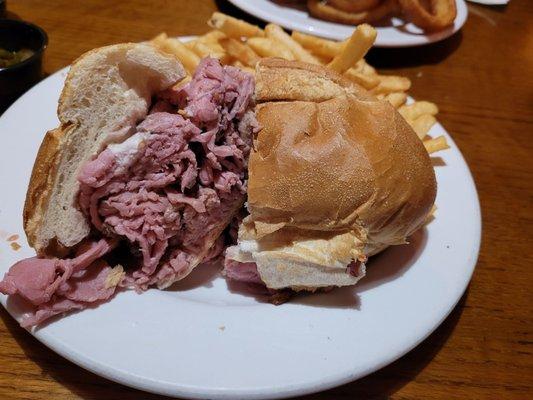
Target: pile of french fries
<point>238,43</point>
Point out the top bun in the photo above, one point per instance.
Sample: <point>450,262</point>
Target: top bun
<point>332,158</point>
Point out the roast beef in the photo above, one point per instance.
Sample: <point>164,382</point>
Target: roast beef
<point>164,191</point>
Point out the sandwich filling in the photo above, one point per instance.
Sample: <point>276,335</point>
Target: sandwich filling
<point>295,259</point>
<point>164,196</point>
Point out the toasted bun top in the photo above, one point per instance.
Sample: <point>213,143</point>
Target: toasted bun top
<point>330,157</point>
<point>107,91</point>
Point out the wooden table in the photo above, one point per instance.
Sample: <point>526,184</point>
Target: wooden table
<point>482,81</point>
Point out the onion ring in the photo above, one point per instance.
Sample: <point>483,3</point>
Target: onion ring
<point>321,10</point>
<point>353,6</point>
<point>441,13</point>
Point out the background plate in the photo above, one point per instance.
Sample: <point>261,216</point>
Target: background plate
<point>392,33</point>
<point>203,339</point>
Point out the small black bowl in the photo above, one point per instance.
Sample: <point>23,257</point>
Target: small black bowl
<point>16,79</point>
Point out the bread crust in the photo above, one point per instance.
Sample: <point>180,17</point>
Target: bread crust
<point>41,181</point>
<point>282,80</point>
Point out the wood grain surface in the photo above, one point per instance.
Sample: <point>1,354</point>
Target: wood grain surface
<point>482,80</point>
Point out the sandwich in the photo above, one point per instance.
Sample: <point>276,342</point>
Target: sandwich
<point>136,186</point>
<point>148,173</point>
<point>335,176</point>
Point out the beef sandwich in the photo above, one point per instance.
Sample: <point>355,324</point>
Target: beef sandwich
<point>335,176</point>
<point>137,184</point>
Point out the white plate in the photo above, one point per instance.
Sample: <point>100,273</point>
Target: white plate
<point>201,340</point>
<point>393,33</point>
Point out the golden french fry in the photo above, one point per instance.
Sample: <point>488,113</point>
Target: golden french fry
<point>367,81</point>
<point>392,83</point>
<point>418,108</point>
<point>240,65</point>
<point>211,39</point>
<point>364,68</point>
<point>355,48</point>
<point>275,33</point>
<point>212,36</point>
<point>174,46</point>
<point>422,124</point>
<point>190,44</point>
<point>318,46</point>
<point>240,51</point>
<point>182,83</point>
<point>266,47</point>
<point>323,60</point>
<point>216,48</point>
<point>397,99</point>
<point>203,50</point>
<point>233,27</point>
<point>159,39</point>
<point>436,144</point>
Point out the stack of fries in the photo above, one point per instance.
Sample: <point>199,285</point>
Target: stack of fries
<point>238,43</point>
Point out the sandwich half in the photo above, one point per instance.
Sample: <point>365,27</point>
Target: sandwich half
<point>136,186</point>
<point>335,176</point>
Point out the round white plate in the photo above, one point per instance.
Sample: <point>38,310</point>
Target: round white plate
<point>204,340</point>
<point>392,33</point>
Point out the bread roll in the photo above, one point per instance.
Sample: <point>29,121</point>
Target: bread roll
<point>336,175</point>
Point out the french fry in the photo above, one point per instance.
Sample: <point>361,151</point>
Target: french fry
<point>323,60</point>
<point>436,144</point>
<point>392,83</point>
<point>417,109</point>
<point>174,46</point>
<point>199,48</point>
<point>203,50</point>
<point>363,67</point>
<point>212,36</point>
<point>182,83</point>
<point>233,27</point>
<point>275,33</point>
<point>240,65</point>
<point>397,99</point>
<point>159,39</point>
<point>320,47</point>
<point>211,39</point>
<point>240,51</point>
<point>355,48</point>
<point>367,81</point>
<point>266,47</point>
<point>422,124</point>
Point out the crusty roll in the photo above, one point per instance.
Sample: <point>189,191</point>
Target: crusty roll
<point>106,93</point>
<point>335,176</point>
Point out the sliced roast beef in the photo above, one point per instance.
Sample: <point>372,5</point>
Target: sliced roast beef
<point>54,284</point>
<point>167,190</point>
<point>246,271</point>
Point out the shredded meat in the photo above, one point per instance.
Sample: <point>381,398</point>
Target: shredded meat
<point>177,185</point>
